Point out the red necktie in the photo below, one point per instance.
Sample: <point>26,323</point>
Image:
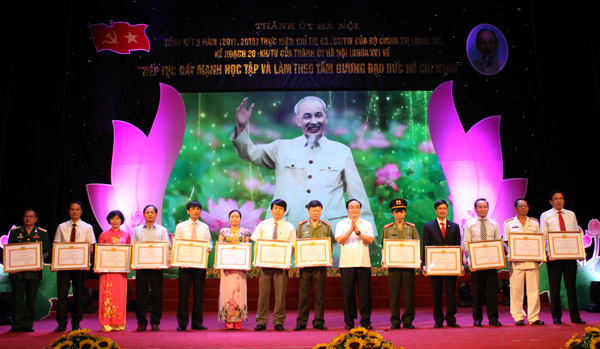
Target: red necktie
<point>561,221</point>
<point>443,230</point>
<point>73,232</point>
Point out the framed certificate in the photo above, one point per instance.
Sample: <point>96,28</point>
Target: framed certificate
<point>402,253</point>
<point>273,254</point>
<point>443,260</point>
<point>313,252</point>
<point>70,256</point>
<point>488,254</point>
<point>526,247</point>
<point>565,245</point>
<point>233,256</point>
<point>189,253</point>
<point>150,255</point>
<point>111,258</point>
<point>26,256</point>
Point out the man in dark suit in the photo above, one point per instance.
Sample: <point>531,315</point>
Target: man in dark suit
<point>442,232</point>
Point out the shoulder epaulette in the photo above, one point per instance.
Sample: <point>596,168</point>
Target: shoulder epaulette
<point>388,225</point>
<point>411,224</point>
<point>42,229</point>
<point>304,221</point>
<point>326,223</point>
<point>16,228</point>
<point>534,219</point>
<point>508,220</point>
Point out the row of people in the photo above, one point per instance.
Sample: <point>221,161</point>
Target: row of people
<point>353,234</point>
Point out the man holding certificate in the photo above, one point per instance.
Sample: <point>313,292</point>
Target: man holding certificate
<point>442,232</point>
<point>25,283</point>
<point>149,231</point>
<point>482,228</point>
<point>560,219</point>
<point>192,229</point>
<point>73,230</point>
<point>355,234</point>
<point>400,278</point>
<point>525,273</point>
<point>274,228</point>
<point>312,228</point>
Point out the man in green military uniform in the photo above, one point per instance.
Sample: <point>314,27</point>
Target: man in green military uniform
<point>25,283</point>
<point>312,228</point>
<point>400,277</point>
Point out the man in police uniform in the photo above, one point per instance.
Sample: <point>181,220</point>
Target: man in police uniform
<point>25,283</point>
<point>308,167</point>
<point>312,228</point>
<point>400,277</point>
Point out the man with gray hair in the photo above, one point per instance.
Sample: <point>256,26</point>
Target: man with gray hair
<point>308,167</point>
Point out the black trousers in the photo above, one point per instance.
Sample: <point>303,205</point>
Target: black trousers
<point>190,278</point>
<point>354,279</point>
<point>402,278</point>
<point>485,281</point>
<point>437,287</point>
<point>567,270</point>
<point>315,276</point>
<point>24,293</point>
<point>64,278</point>
<point>145,294</point>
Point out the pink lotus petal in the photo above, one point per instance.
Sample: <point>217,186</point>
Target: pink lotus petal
<point>594,227</point>
<point>587,241</point>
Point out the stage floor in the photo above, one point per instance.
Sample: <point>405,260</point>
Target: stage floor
<point>424,336</point>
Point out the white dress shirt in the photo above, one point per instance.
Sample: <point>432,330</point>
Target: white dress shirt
<point>264,230</point>
<point>84,232</point>
<point>549,220</point>
<point>184,230</point>
<point>354,253</point>
<point>155,233</point>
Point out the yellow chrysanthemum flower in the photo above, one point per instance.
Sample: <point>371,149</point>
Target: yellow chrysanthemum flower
<point>359,331</point>
<point>104,342</point>
<point>64,345</point>
<point>573,341</point>
<point>354,343</point>
<point>372,343</point>
<point>387,345</point>
<point>87,344</point>
<point>79,333</point>
<point>339,339</point>
<point>595,343</point>
<point>59,340</point>
<point>320,346</point>
<point>372,334</point>
<point>593,330</point>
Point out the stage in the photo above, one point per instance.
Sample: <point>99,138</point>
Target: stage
<point>424,336</point>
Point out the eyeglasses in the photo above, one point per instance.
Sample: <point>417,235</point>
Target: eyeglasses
<point>522,206</point>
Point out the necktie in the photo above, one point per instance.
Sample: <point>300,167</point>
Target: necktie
<point>483,231</point>
<point>275,232</point>
<point>561,221</point>
<point>443,230</point>
<point>194,231</point>
<point>73,232</point>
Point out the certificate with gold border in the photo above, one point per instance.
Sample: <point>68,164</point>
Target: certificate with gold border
<point>565,245</point>
<point>273,254</point>
<point>233,256</point>
<point>70,256</point>
<point>112,258</point>
<point>313,252</point>
<point>526,247</point>
<point>150,255</point>
<point>402,253</point>
<point>26,256</point>
<point>443,260</point>
<point>488,254</point>
<point>189,253</point>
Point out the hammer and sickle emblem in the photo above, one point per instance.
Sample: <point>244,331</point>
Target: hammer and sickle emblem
<point>111,38</point>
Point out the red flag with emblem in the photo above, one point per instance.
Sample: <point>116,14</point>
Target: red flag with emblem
<point>120,37</point>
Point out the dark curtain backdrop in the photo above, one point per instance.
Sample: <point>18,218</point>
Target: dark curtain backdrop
<point>53,142</point>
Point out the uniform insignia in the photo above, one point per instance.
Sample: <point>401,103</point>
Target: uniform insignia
<point>533,219</point>
<point>42,229</point>
<point>326,223</point>
<point>304,221</point>
<point>388,225</point>
<point>411,224</point>
<point>36,236</point>
<point>508,220</point>
<point>15,228</point>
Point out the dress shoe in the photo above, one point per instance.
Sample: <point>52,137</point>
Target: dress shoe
<point>201,328</point>
<point>409,326</point>
<point>279,327</point>
<point>27,329</point>
<point>520,323</point>
<point>260,328</point>
<point>60,328</point>
<point>454,325</point>
<point>349,327</point>
<point>437,325</point>
<point>141,328</point>
<point>578,321</point>
<point>557,321</point>
<point>75,327</point>
<point>395,326</point>
<point>477,323</point>
<point>300,328</point>
<point>320,327</point>
<point>495,323</point>
<point>13,330</point>
<point>368,327</point>
<point>180,328</point>
<point>155,327</point>
<point>538,322</point>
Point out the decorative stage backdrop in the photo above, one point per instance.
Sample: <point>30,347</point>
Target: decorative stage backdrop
<point>434,100</point>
